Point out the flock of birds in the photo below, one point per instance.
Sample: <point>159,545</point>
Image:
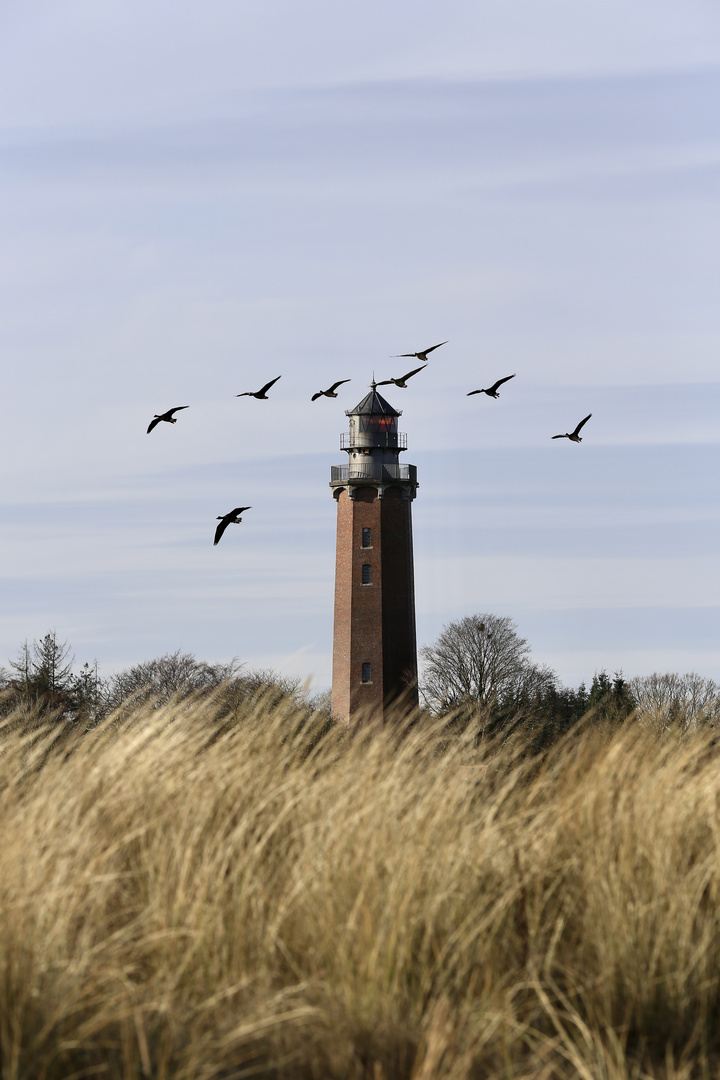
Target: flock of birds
<point>233,516</point>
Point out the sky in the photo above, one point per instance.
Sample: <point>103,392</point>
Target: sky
<point>195,198</point>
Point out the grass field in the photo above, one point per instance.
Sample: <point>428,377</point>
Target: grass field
<point>182,897</point>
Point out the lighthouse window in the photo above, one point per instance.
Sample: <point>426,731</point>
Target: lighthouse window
<point>366,574</point>
<point>367,538</point>
<point>366,673</point>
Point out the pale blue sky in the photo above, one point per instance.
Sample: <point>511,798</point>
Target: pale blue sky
<point>196,198</point>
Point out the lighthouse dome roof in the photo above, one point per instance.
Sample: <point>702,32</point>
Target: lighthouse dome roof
<point>373,404</point>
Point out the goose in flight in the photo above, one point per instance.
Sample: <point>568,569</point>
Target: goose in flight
<point>331,391</point>
<point>574,436</point>
<point>233,518</point>
<point>167,416</point>
<point>422,355</point>
<point>402,381</point>
<point>261,394</point>
<point>492,391</point>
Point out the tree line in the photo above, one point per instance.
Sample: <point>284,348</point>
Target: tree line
<point>479,676</point>
<point>43,682</point>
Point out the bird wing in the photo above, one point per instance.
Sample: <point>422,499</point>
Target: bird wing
<point>494,386</point>
<point>165,416</point>
<point>335,385</point>
<point>237,511</point>
<point>267,385</point>
<point>577,429</point>
<point>399,355</point>
<point>411,373</point>
<point>316,396</point>
<point>222,526</point>
<point>385,382</point>
<point>474,392</point>
<point>432,348</point>
<point>560,436</point>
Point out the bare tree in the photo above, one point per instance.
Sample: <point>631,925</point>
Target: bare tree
<point>480,660</point>
<point>673,700</point>
<point>175,674</point>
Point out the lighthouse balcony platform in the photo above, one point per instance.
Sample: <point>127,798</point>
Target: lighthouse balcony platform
<point>373,472</point>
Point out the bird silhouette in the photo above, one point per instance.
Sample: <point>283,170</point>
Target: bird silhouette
<point>233,518</point>
<point>422,355</point>
<point>166,416</point>
<point>331,391</point>
<point>260,394</point>
<point>402,381</point>
<point>492,391</point>
<point>574,436</point>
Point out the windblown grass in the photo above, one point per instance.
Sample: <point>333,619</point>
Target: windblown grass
<point>186,898</point>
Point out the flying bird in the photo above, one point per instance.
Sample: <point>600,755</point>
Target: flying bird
<point>402,381</point>
<point>167,416</point>
<point>574,436</point>
<point>261,394</point>
<point>422,355</point>
<point>492,391</point>
<point>233,518</point>
<point>331,391</point>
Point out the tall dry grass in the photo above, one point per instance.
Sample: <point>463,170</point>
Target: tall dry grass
<point>186,898</point>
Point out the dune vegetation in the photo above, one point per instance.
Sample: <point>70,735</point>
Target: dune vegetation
<point>186,894</point>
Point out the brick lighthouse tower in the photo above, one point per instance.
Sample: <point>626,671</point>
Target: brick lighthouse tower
<point>374,649</point>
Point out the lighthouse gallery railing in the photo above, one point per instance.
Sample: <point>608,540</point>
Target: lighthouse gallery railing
<point>360,471</point>
<point>393,439</point>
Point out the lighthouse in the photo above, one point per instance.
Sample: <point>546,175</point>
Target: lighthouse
<point>374,645</point>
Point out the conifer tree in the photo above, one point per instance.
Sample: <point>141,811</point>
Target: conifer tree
<point>43,671</point>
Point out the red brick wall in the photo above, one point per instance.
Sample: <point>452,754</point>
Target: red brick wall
<point>398,609</point>
<point>374,623</point>
<point>343,609</point>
